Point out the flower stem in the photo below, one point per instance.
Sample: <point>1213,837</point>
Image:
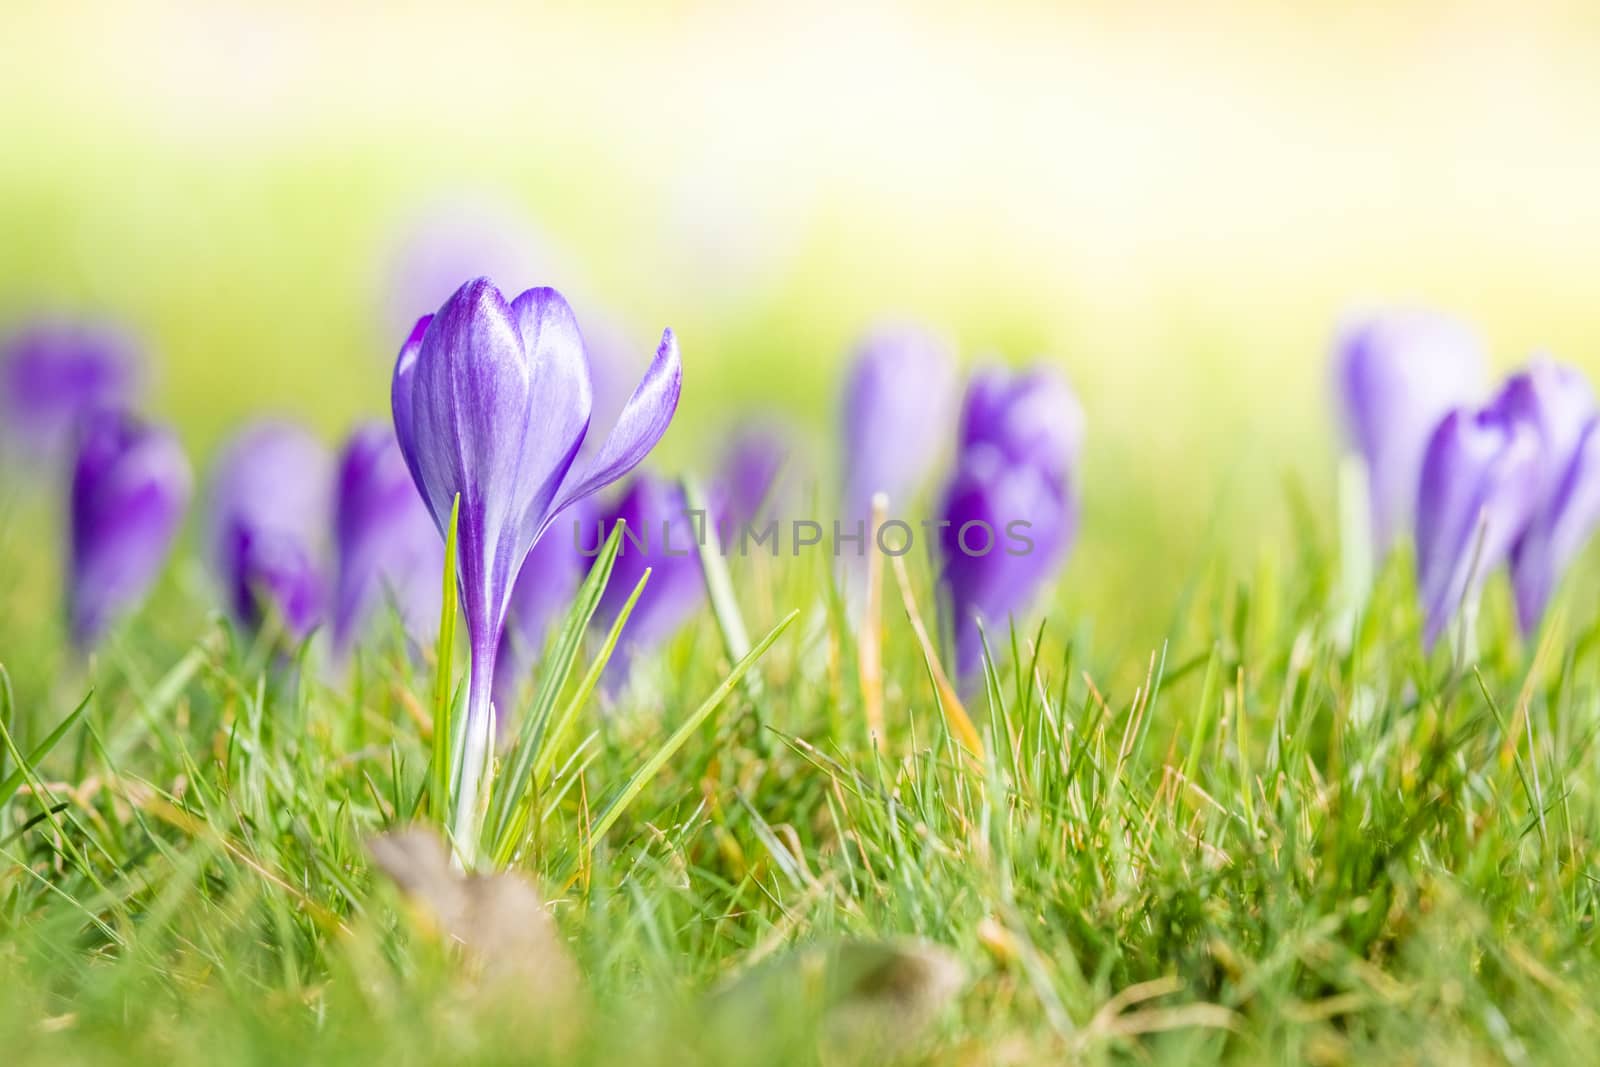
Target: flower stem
<point>472,792</point>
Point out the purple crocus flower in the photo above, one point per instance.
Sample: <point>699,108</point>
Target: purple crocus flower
<point>271,495</point>
<point>1010,511</point>
<point>897,404</point>
<point>491,404</point>
<point>387,548</point>
<point>1559,404</point>
<point>1480,487</point>
<point>1398,374</point>
<point>661,537</point>
<point>130,486</point>
<point>55,373</point>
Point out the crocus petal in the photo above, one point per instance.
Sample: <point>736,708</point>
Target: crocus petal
<point>387,547</point>
<point>660,537</point>
<point>54,373</point>
<point>1558,402</point>
<point>1010,510</point>
<point>1032,418</point>
<point>400,388</point>
<point>1008,529</point>
<point>1398,374</point>
<point>897,404</point>
<point>131,483</point>
<point>1559,531</point>
<point>643,421</point>
<point>1479,490</point>
<point>270,501</point>
<point>560,396</point>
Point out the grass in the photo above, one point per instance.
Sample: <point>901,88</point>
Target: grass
<point>1277,845</point>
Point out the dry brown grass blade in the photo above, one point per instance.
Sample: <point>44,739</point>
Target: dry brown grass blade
<point>955,713</point>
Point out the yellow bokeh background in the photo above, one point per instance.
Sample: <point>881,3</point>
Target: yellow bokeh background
<point>1175,202</point>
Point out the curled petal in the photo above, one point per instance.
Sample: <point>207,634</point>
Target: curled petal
<point>643,421</point>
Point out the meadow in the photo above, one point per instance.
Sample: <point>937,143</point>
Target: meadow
<point>1200,805</point>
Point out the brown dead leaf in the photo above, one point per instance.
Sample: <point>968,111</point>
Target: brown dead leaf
<point>498,920</point>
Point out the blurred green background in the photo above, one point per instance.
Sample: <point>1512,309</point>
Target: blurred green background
<point>1176,204</point>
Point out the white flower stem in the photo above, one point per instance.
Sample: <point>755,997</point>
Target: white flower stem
<point>472,792</point>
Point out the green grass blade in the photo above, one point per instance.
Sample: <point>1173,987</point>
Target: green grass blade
<point>613,811</point>
<point>515,780</point>
<point>442,769</point>
<point>26,764</point>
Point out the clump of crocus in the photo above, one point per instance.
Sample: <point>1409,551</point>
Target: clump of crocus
<point>897,405</point>
<point>1010,511</point>
<point>492,403</point>
<point>1397,375</point>
<point>54,373</point>
<point>1480,488</point>
<point>387,550</point>
<point>266,529</point>
<point>130,486</point>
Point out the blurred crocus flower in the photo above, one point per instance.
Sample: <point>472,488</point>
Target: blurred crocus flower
<point>55,373</point>
<point>1558,402</point>
<point>661,536</point>
<point>387,549</point>
<point>897,405</point>
<point>491,404</point>
<point>1398,374</point>
<point>271,495</point>
<point>130,486</point>
<point>748,483</point>
<point>1010,511</point>
<point>1480,488</point>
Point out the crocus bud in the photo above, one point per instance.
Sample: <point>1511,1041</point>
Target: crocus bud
<point>54,374</point>
<point>1558,403</point>
<point>897,406</point>
<point>1480,488</point>
<point>1010,511</point>
<point>491,404</point>
<point>130,485</point>
<point>388,552</point>
<point>661,536</point>
<point>271,495</point>
<point>1398,374</point>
